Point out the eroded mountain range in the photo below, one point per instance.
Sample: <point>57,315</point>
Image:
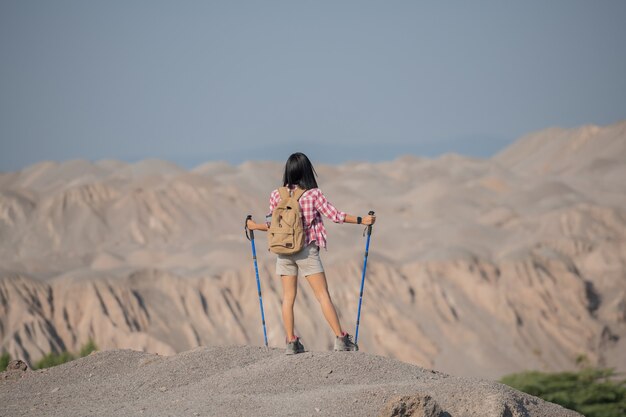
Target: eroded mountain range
<point>477,266</point>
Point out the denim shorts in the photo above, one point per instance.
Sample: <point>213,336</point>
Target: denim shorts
<point>306,262</point>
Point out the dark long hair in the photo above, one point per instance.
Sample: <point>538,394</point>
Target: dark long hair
<point>299,171</point>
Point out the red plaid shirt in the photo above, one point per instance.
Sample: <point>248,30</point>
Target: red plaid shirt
<point>312,203</point>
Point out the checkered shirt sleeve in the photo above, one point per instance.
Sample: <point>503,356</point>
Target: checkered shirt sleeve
<point>274,200</point>
<point>324,206</point>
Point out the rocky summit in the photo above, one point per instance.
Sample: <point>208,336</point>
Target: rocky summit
<point>255,381</point>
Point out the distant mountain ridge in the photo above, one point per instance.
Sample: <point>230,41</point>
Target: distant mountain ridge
<point>478,266</point>
<point>558,151</point>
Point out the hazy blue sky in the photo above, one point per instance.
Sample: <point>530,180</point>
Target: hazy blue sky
<point>341,80</point>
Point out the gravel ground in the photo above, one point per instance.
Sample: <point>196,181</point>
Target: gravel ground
<point>255,381</point>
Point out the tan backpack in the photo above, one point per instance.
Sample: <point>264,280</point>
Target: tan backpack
<point>286,233</point>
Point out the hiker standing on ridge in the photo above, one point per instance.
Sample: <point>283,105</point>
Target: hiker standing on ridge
<point>296,232</point>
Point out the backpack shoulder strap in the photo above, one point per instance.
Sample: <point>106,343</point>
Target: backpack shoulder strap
<point>297,193</point>
<point>284,193</point>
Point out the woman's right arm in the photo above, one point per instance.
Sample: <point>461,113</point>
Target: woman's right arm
<point>365,220</point>
<point>327,209</point>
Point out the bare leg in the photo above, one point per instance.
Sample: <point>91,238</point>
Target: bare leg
<point>290,289</point>
<point>320,288</point>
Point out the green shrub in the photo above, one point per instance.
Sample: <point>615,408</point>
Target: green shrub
<point>5,358</point>
<point>592,392</point>
<point>88,347</point>
<point>54,359</point>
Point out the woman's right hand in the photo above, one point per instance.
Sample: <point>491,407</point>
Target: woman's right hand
<point>368,220</point>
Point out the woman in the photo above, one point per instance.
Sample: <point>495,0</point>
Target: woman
<point>299,172</point>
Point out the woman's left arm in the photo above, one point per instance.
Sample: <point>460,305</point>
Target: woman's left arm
<point>257,226</point>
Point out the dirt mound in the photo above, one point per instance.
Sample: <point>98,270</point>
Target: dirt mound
<point>244,380</point>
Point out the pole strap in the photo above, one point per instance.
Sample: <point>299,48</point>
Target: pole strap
<point>245,227</point>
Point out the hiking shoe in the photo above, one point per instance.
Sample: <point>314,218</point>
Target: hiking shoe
<point>294,347</point>
<point>345,343</point>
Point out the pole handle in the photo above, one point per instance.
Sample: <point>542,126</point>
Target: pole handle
<point>245,227</point>
<point>369,228</point>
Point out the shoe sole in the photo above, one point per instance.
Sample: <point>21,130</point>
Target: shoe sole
<point>292,352</point>
<point>347,350</point>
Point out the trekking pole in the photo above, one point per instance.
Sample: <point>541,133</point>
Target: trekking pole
<point>256,270</point>
<point>367,248</point>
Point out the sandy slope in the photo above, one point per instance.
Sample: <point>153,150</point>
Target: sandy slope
<point>253,381</point>
<point>477,267</point>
